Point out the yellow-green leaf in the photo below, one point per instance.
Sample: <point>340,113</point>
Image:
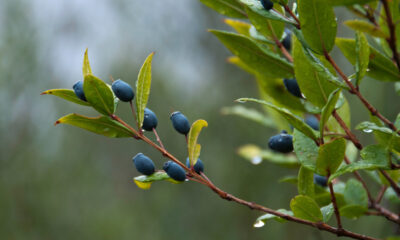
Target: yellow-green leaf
<point>330,156</point>
<point>230,8</point>
<point>98,94</point>
<point>193,147</point>
<point>366,27</point>
<point>328,109</point>
<point>239,26</point>
<point>100,125</point>
<point>86,70</point>
<point>144,182</point>
<point>306,208</point>
<point>66,94</point>
<point>268,28</point>
<point>318,24</point>
<point>143,85</point>
<point>362,57</point>
<point>305,184</point>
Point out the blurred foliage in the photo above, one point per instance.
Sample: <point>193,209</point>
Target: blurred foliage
<point>63,183</point>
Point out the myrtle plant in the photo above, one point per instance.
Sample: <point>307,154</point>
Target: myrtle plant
<point>287,47</point>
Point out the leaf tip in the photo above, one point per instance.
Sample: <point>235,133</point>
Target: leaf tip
<point>57,122</point>
<point>45,92</point>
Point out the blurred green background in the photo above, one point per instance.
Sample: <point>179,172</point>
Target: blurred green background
<point>64,183</point>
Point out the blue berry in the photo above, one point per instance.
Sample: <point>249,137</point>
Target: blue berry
<point>78,89</point>
<point>287,41</point>
<point>180,122</point>
<point>198,167</point>
<point>293,87</point>
<point>174,171</point>
<point>267,4</point>
<point>122,90</point>
<point>320,180</point>
<point>150,120</point>
<point>313,122</point>
<point>282,142</point>
<point>143,164</point>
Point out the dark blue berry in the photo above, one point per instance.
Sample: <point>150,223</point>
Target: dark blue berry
<point>143,164</point>
<point>180,122</point>
<point>313,122</point>
<point>287,41</point>
<point>198,167</point>
<point>267,4</point>
<point>293,87</point>
<point>150,120</point>
<point>78,89</point>
<point>282,142</point>
<point>174,171</point>
<point>122,90</point>
<point>320,180</point>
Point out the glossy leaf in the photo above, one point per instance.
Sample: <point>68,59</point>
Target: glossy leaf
<point>230,8</point>
<point>354,193</point>
<point>328,109</point>
<point>295,121</point>
<point>362,57</point>
<point>239,26</point>
<point>365,27</point>
<point>330,156</point>
<point>305,184</point>
<point>306,150</point>
<point>144,182</point>
<point>385,136</point>
<point>306,208</point>
<point>100,125</point>
<point>86,70</point>
<point>250,114</point>
<point>327,212</point>
<point>380,67</point>
<point>193,147</point>
<point>268,28</point>
<point>264,218</point>
<point>256,155</point>
<point>318,24</point>
<point>352,211</point>
<point>255,55</point>
<point>66,94</point>
<point>374,157</point>
<point>255,6</point>
<point>99,95</point>
<point>143,85</point>
<point>312,81</point>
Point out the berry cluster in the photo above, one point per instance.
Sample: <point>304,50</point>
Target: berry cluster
<point>124,92</point>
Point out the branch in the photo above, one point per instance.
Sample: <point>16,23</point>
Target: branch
<point>393,184</point>
<point>392,39</point>
<point>287,9</point>
<point>335,207</point>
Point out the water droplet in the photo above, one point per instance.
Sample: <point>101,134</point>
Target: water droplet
<point>256,160</point>
<point>368,70</point>
<point>259,224</point>
<point>367,130</point>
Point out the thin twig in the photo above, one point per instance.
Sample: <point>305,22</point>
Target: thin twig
<point>392,30</point>
<point>335,207</point>
<point>287,9</point>
<point>352,137</point>
<point>393,184</point>
<point>381,193</point>
<point>158,138</point>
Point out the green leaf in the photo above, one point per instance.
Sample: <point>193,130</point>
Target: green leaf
<point>260,222</point>
<point>99,95</point>
<point>327,212</point>
<point>100,125</point>
<point>348,2</point>
<point>86,70</point>
<point>66,94</point>
<point>374,157</point>
<point>352,211</point>
<point>256,155</point>
<point>249,113</point>
<point>328,109</point>
<point>318,24</point>
<point>230,8</point>
<point>312,81</point>
<point>193,147</point>
<point>330,156</point>
<point>144,182</point>
<point>256,6</point>
<point>289,179</point>
<point>354,193</point>
<point>255,55</point>
<point>239,26</point>
<point>268,28</point>
<point>295,121</point>
<point>362,57</point>
<point>397,87</point>
<point>366,27</point>
<point>306,150</point>
<point>305,183</point>
<point>380,67</point>
<point>143,85</point>
<point>385,136</point>
<point>306,208</point>
<point>395,13</point>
